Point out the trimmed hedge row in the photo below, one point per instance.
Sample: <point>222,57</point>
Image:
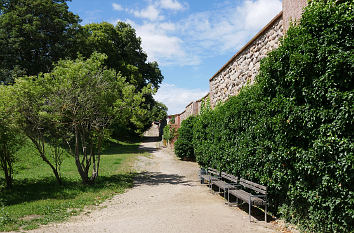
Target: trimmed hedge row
<point>184,145</point>
<point>293,130</point>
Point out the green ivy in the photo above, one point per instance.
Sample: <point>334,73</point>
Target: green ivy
<point>293,129</point>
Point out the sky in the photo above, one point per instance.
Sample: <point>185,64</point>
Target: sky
<point>190,39</point>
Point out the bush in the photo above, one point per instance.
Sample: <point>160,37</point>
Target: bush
<point>293,130</point>
<point>184,145</point>
<point>169,133</point>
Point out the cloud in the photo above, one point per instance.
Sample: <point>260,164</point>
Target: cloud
<point>176,98</point>
<point>188,40</point>
<point>151,13</point>
<point>258,13</point>
<point>117,7</point>
<point>162,47</point>
<point>171,5</point>
<point>229,27</point>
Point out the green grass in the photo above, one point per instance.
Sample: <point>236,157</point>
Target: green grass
<point>37,199</point>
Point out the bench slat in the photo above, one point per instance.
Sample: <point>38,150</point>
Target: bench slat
<point>254,186</point>
<point>245,196</point>
<point>229,177</point>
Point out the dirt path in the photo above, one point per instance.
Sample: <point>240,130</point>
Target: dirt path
<point>167,197</point>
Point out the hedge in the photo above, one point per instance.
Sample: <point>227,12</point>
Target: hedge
<point>184,145</point>
<point>293,129</point>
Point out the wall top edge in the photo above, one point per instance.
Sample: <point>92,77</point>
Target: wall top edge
<point>264,29</point>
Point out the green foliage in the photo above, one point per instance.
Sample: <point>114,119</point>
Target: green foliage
<point>126,56</point>
<point>33,35</point>
<point>74,107</point>
<point>169,133</point>
<point>293,130</point>
<point>184,145</point>
<point>36,199</point>
<point>10,139</point>
<point>124,52</point>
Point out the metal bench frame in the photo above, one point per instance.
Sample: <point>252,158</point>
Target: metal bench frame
<point>257,188</point>
<point>223,185</point>
<point>211,175</point>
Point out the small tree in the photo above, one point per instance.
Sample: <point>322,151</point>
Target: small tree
<point>83,100</point>
<point>31,103</point>
<point>10,140</point>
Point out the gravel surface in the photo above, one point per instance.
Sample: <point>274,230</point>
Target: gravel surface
<point>167,197</point>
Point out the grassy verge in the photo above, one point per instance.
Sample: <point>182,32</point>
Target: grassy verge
<point>37,199</point>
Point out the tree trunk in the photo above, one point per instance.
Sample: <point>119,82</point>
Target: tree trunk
<point>83,174</point>
<point>44,158</point>
<point>6,166</point>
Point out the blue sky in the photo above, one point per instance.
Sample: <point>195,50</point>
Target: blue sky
<point>190,39</point>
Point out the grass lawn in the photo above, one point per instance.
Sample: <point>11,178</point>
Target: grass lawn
<point>37,199</point>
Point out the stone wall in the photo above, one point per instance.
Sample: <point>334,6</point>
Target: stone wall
<point>292,11</point>
<point>244,65</point>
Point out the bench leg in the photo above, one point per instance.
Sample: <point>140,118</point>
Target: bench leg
<point>265,214</point>
<point>249,208</point>
<point>228,198</point>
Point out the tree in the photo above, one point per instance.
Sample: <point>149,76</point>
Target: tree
<point>29,95</point>
<point>33,35</point>
<point>80,101</point>
<point>10,139</point>
<point>127,57</point>
<point>124,52</point>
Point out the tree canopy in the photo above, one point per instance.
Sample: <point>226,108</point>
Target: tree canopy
<point>124,52</point>
<point>35,34</point>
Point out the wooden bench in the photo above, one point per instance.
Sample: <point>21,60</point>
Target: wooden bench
<point>226,182</point>
<point>210,175</point>
<point>258,199</point>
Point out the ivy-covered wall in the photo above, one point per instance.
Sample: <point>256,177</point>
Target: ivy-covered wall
<point>293,130</point>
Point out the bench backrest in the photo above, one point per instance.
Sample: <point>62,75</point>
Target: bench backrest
<point>254,186</point>
<point>213,171</point>
<point>229,177</point>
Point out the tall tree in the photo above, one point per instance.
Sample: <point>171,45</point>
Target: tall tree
<point>124,52</point>
<point>33,35</point>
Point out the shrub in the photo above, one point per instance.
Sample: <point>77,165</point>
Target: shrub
<point>293,130</point>
<point>184,145</point>
<point>169,133</point>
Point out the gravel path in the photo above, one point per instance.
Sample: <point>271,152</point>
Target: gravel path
<point>167,197</point>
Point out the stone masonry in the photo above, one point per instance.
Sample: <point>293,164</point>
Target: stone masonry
<point>292,11</point>
<point>243,67</point>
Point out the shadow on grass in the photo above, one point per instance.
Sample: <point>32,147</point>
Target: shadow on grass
<point>28,190</point>
<point>117,148</point>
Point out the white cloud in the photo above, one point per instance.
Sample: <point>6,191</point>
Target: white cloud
<point>117,7</point>
<point>171,5</point>
<point>229,27</point>
<point>151,13</point>
<point>162,47</point>
<point>260,12</point>
<point>203,34</point>
<point>176,99</point>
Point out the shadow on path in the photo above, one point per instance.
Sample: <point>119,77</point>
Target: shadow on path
<point>151,139</point>
<point>157,178</point>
